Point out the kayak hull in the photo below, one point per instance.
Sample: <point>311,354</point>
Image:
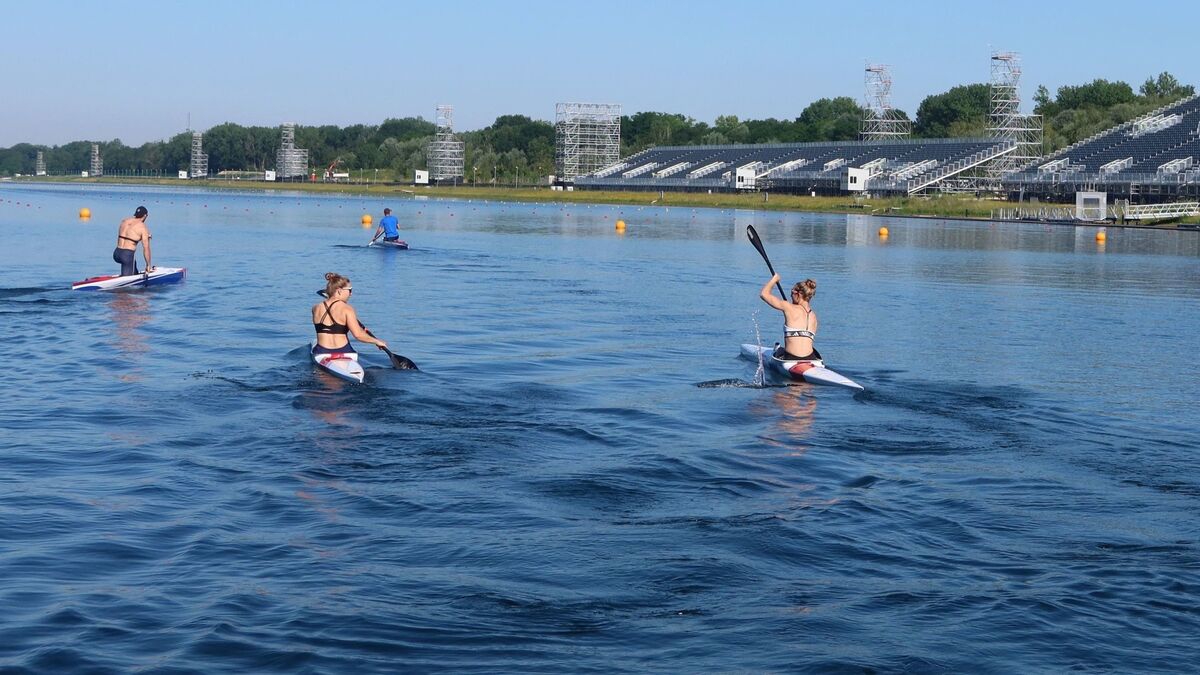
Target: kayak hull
<point>343,365</point>
<point>400,245</point>
<point>813,371</point>
<point>159,277</point>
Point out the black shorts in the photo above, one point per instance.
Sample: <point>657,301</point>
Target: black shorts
<point>783,355</point>
<point>127,260</point>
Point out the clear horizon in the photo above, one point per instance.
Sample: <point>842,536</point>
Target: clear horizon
<point>135,71</point>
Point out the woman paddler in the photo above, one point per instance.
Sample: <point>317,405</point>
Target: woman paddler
<point>334,318</point>
<point>800,321</point>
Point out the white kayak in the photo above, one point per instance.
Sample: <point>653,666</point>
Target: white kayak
<point>158,276</point>
<point>813,371</point>
<point>379,243</point>
<point>340,364</point>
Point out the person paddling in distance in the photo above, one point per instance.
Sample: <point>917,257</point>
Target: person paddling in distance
<point>389,227</point>
<point>130,233</point>
<point>334,318</point>
<point>800,321</point>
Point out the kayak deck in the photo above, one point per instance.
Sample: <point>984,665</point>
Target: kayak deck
<point>400,245</point>
<point>343,365</point>
<point>112,282</point>
<point>813,371</point>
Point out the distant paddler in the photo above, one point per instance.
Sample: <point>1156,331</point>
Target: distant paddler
<point>800,321</point>
<point>130,233</point>
<point>389,227</point>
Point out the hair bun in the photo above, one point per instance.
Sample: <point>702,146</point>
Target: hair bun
<point>330,276</point>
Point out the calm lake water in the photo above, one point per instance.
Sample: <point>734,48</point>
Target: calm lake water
<point>581,477</point>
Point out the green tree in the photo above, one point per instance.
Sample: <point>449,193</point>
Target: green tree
<point>831,119</point>
<point>962,109</point>
<point>1165,86</point>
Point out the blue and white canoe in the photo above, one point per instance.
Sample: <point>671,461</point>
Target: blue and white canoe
<point>813,370</point>
<point>157,277</point>
<point>343,365</point>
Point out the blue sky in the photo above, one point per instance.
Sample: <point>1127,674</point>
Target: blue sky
<point>135,70</point>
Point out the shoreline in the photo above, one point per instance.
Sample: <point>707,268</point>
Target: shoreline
<point>943,207</point>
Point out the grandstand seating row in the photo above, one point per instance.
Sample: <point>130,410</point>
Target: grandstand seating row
<point>1159,148</point>
<point>893,166</point>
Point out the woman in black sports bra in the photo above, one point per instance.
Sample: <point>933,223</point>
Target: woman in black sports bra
<point>334,319</point>
<point>799,320</point>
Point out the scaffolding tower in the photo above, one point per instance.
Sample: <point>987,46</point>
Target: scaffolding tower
<point>587,138</point>
<point>96,168</point>
<point>198,167</point>
<point>445,151</point>
<point>1006,121</point>
<point>290,161</point>
<point>39,169</point>
<point>881,122</point>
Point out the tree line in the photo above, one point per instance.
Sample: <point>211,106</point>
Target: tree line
<point>517,146</point>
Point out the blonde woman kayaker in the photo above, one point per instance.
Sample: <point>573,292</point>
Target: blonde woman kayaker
<point>800,321</point>
<point>334,319</point>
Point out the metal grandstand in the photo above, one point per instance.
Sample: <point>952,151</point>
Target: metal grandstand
<point>198,163</point>
<point>96,166</point>
<point>290,161</point>
<point>1006,121</point>
<point>445,153</point>
<point>879,167</point>
<point>880,120</point>
<point>1155,157</point>
<point>587,138</point>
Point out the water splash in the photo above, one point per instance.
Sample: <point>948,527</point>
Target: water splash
<point>760,374</point>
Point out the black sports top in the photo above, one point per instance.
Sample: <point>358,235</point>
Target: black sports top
<point>335,328</point>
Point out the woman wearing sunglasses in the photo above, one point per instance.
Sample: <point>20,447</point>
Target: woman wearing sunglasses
<point>334,318</point>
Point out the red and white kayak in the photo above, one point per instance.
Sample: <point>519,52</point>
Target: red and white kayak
<point>112,282</point>
<point>379,243</point>
<point>813,371</point>
<point>339,364</point>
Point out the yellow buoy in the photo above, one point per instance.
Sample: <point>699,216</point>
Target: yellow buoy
<point>367,219</point>
<point>1101,236</point>
<point>620,226</point>
<point>85,212</point>
<point>883,232</point>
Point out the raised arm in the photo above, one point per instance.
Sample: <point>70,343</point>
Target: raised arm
<point>768,297</point>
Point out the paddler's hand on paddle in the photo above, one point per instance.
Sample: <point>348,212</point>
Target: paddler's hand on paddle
<point>381,344</point>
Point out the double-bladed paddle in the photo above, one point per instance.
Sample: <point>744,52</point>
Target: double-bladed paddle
<point>761,251</point>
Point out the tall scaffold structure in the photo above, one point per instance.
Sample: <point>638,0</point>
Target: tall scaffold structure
<point>290,161</point>
<point>445,151</point>
<point>881,122</point>
<point>1006,121</point>
<point>587,138</point>
<point>198,166</point>
<point>96,166</point>
<point>39,167</point>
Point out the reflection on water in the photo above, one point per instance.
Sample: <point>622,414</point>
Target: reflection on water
<point>793,409</point>
<point>129,312</point>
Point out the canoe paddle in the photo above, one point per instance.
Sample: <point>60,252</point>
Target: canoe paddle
<point>398,362</point>
<point>761,251</point>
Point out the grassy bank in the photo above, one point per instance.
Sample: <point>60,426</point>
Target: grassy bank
<point>950,206</point>
<point>944,206</point>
